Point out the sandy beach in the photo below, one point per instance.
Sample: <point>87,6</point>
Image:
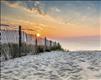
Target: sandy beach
<point>55,65</point>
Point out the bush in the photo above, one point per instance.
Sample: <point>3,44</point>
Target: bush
<point>26,49</point>
<point>57,47</point>
<point>4,51</point>
<point>48,50</point>
<point>11,50</point>
<point>40,48</point>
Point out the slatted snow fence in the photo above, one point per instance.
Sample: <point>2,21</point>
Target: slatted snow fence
<point>15,43</point>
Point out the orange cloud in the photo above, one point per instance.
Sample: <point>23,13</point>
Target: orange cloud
<point>47,25</point>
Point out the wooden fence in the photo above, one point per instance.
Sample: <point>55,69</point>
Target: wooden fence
<point>20,37</point>
<point>14,36</point>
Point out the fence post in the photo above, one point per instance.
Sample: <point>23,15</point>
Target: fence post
<point>45,46</point>
<point>50,45</point>
<point>36,43</point>
<point>55,45</point>
<point>19,41</point>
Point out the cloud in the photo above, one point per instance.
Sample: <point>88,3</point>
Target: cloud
<point>33,8</point>
<point>54,9</point>
<point>13,5</point>
<point>30,6</point>
<point>57,10</point>
<point>37,3</point>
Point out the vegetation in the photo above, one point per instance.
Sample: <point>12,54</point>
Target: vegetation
<point>11,50</point>
<point>58,47</point>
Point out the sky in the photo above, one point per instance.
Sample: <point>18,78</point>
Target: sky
<point>75,24</point>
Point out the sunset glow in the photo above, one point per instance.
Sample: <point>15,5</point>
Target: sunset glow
<point>38,35</point>
<point>75,24</point>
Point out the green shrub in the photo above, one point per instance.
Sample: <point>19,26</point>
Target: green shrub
<point>11,50</point>
<point>4,51</point>
<point>57,47</point>
<point>40,48</point>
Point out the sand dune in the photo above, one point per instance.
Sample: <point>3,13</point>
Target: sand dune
<point>56,65</point>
